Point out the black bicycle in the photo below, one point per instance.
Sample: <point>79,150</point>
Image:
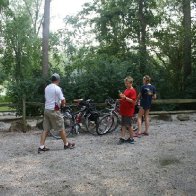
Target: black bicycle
<point>86,118</point>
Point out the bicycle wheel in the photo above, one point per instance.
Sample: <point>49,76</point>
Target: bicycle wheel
<point>105,124</point>
<point>115,124</point>
<point>68,124</point>
<point>92,125</point>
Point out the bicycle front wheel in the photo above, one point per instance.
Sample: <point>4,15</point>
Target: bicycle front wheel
<point>92,125</point>
<point>68,124</point>
<point>105,124</point>
<point>116,122</point>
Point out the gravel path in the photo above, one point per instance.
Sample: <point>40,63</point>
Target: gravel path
<point>160,164</point>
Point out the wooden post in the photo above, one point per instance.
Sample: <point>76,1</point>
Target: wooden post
<point>24,113</point>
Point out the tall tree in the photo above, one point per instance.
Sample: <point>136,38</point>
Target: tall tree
<point>45,41</point>
<point>3,4</point>
<point>142,35</point>
<point>34,11</point>
<point>21,46</point>
<point>187,37</point>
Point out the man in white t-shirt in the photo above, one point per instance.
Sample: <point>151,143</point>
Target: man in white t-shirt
<point>53,118</point>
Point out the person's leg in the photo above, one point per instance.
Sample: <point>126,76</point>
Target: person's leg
<point>122,135</point>
<point>65,141</point>
<point>123,132</point>
<point>46,127</point>
<point>43,138</point>
<point>64,137</point>
<point>130,128</point>
<point>147,120</point>
<point>59,124</point>
<point>42,142</point>
<point>131,140</point>
<point>131,131</point>
<point>139,120</point>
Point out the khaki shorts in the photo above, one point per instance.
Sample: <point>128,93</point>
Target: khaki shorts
<point>53,120</point>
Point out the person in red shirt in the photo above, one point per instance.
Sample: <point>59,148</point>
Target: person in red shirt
<point>127,107</point>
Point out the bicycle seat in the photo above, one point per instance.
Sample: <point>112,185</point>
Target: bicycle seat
<point>78,100</point>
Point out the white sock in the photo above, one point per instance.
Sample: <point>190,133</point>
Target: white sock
<point>67,144</point>
<point>42,146</point>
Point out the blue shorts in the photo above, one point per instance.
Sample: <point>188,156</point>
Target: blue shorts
<point>145,107</point>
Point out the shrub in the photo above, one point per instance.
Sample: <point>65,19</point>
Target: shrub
<point>32,90</point>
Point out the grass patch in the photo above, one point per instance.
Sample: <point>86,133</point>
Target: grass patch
<point>168,161</point>
<point>6,108</point>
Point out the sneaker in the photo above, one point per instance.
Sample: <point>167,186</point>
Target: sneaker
<point>69,146</point>
<point>43,149</point>
<point>131,140</point>
<point>121,141</point>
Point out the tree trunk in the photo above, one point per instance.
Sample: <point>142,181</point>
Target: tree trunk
<point>45,39</point>
<point>142,37</point>
<point>187,38</point>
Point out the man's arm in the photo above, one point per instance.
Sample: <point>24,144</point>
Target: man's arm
<point>63,102</point>
<point>62,98</point>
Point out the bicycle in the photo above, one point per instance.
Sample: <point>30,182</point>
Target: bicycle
<point>111,120</point>
<point>86,118</point>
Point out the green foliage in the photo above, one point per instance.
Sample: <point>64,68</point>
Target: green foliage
<point>5,99</point>
<point>32,90</point>
<point>106,41</point>
<point>190,91</point>
<point>99,76</point>
<point>22,52</point>
<point>20,56</point>
<point>99,71</point>
<point>3,4</point>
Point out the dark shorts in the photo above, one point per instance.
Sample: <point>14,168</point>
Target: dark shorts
<point>145,107</point>
<point>145,104</point>
<point>126,121</point>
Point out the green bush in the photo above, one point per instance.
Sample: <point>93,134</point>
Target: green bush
<point>5,99</point>
<point>98,77</point>
<point>32,90</point>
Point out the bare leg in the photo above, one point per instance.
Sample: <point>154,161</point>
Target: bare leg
<point>131,131</point>
<point>139,120</point>
<point>147,120</point>
<point>123,131</point>
<point>43,138</point>
<point>63,137</point>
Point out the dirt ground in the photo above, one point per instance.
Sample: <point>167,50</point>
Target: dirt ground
<point>160,164</point>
